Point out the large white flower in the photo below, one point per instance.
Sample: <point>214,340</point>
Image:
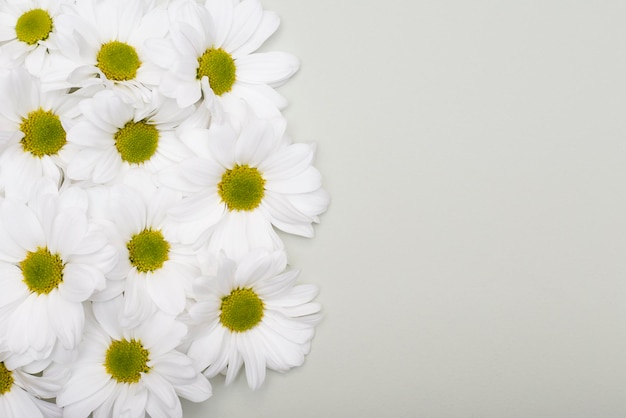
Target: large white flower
<point>28,33</point>
<point>240,184</point>
<point>52,258</point>
<point>117,138</point>
<point>158,270</point>
<point>104,42</point>
<point>210,58</point>
<point>251,313</point>
<point>23,390</point>
<point>33,132</point>
<point>128,372</point>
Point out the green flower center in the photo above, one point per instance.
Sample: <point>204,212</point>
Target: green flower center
<point>137,141</point>
<point>6,379</point>
<point>242,188</point>
<point>241,310</point>
<point>33,26</point>
<point>219,66</point>
<point>126,360</point>
<point>118,61</point>
<point>42,271</point>
<point>43,133</point>
<point>148,250</point>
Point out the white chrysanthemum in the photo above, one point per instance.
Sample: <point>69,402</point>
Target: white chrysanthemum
<point>116,138</point>
<point>158,269</point>
<point>251,313</point>
<point>242,184</point>
<point>123,372</point>
<point>52,258</point>
<point>104,42</point>
<point>33,131</point>
<point>210,58</point>
<point>28,33</point>
<point>23,390</point>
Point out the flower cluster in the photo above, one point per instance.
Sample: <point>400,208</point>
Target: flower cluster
<point>144,171</point>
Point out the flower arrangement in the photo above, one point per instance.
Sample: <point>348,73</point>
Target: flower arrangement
<point>144,170</point>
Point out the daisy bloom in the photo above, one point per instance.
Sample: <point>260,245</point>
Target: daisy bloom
<point>157,269</point>
<point>33,132</point>
<point>210,58</point>
<point>251,313</point>
<point>116,138</point>
<point>240,184</point>
<point>128,372</point>
<point>103,41</point>
<point>28,33</point>
<point>52,258</point>
<point>23,390</point>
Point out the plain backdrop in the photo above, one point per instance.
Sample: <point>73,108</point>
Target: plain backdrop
<point>471,263</point>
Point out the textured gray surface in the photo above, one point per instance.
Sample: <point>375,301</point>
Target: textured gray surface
<point>472,260</point>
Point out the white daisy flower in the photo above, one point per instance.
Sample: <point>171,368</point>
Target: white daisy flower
<point>28,33</point>
<point>251,313</point>
<point>239,185</point>
<point>158,269</point>
<point>52,258</point>
<point>128,372</point>
<point>33,132</point>
<point>104,42</point>
<point>117,138</point>
<point>23,390</point>
<point>210,58</point>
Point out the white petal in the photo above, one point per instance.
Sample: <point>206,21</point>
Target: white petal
<point>166,292</point>
<point>67,320</point>
<point>222,16</point>
<point>68,230</point>
<point>84,382</point>
<point>23,228</point>
<point>253,356</point>
<point>161,388</point>
<point>79,282</point>
<point>198,391</point>
<point>288,162</point>
<point>12,284</point>
<point>256,142</point>
<point>272,68</point>
<point>268,25</point>
<point>107,313</point>
<point>247,17</point>
<point>86,405</point>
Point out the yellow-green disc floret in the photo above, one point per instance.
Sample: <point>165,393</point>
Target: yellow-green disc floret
<point>148,250</point>
<point>241,310</point>
<point>137,141</point>
<point>6,379</point>
<point>219,67</point>
<point>118,61</point>
<point>33,26</point>
<point>242,188</point>
<point>42,271</point>
<point>126,360</point>
<point>43,133</point>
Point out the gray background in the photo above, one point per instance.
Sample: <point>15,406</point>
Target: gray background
<point>471,263</point>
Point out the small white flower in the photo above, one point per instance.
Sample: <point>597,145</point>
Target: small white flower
<point>239,185</point>
<point>33,132</point>
<point>117,138</point>
<point>251,313</point>
<point>23,390</point>
<point>104,42</point>
<point>131,371</point>
<point>28,33</point>
<point>210,58</point>
<point>158,270</point>
<point>52,258</point>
